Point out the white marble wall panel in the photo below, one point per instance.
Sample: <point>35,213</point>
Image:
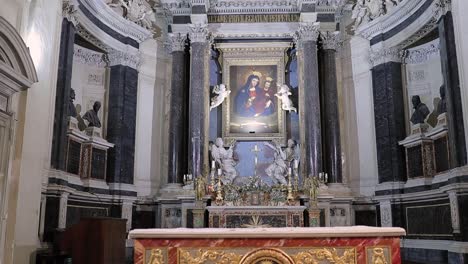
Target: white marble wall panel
<point>368,174</point>
<point>460,20</point>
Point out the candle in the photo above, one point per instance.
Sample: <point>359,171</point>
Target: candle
<point>213,164</point>
<point>289,171</point>
<point>220,172</point>
<point>326,177</point>
<point>296,164</point>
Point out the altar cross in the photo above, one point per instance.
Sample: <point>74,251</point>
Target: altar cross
<point>255,150</point>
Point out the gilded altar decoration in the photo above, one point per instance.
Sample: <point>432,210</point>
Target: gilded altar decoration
<point>208,256</point>
<point>331,255</point>
<point>267,256</point>
<point>378,255</point>
<point>156,257</point>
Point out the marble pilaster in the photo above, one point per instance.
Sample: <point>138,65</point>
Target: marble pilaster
<point>127,213</point>
<point>178,117</point>
<point>309,94</point>
<point>121,125</point>
<point>64,79</point>
<point>389,116</point>
<point>331,118</point>
<point>449,63</point>
<point>198,107</point>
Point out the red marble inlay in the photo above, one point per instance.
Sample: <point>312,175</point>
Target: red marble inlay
<point>359,243</point>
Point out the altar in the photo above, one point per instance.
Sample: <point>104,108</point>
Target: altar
<point>341,245</point>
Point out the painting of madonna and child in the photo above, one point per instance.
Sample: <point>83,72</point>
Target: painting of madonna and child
<point>253,104</point>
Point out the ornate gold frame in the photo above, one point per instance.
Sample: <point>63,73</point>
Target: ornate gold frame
<point>257,54</point>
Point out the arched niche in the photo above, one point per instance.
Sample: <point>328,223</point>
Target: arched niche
<point>17,73</point>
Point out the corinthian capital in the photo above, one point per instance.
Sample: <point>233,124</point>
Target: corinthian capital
<point>69,10</point>
<point>198,32</point>
<point>331,40</point>
<point>177,42</point>
<point>308,31</point>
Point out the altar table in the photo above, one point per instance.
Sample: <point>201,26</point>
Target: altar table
<point>301,245</point>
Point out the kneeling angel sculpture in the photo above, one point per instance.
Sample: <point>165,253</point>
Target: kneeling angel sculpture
<point>222,93</point>
<point>283,94</point>
<point>225,160</point>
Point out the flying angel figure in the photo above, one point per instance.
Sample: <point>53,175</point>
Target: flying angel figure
<point>283,94</point>
<point>222,93</point>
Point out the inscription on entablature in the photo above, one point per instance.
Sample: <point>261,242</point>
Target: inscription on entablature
<point>243,18</point>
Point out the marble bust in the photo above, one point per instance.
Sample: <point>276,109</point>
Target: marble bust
<point>71,106</point>
<point>91,116</point>
<point>442,106</point>
<point>420,111</point>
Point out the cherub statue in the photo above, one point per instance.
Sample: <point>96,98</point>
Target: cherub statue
<point>222,93</point>
<point>278,169</point>
<point>225,159</point>
<point>283,94</point>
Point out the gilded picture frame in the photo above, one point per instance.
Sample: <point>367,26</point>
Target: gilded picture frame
<point>247,113</point>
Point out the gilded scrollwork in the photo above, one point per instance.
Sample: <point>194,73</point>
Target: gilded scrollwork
<point>212,256</point>
<point>378,256</point>
<point>332,255</point>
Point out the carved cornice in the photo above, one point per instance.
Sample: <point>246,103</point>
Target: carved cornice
<point>117,57</point>
<point>421,55</point>
<point>331,40</point>
<point>252,6</point>
<point>177,42</point>
<point>198,32</point>
<point>384,55</point>
<point>307,32</point>
<point>89,57</point>
<point>106,15</point>
<point>253,35</point>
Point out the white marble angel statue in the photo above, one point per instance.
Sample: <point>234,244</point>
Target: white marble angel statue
<point>293,154</point>
<point>225,160</point>
<point>283,94</point>
<point>278,169</point>
<point>135,11</point>
<point>222,93</point>
<point>360,14</point>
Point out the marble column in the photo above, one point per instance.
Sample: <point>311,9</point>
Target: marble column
<point>331,117</point>
<point>62,217</point>
<point>198,106</point>
<point>62,98</point>
<point>309,98</point>
<point>449,63</point>
<point>389,115</point>
<point>121,116</point>
<point>177,118</point>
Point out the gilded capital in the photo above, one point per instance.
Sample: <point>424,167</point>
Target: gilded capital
<point>198,32</point>
<point>307,31</point>
<point>331,40</point>
<point>177,42</point>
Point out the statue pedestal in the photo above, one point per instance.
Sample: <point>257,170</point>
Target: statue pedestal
<point>439,137</point>
<point>86,151</point>
<point>419,152</point>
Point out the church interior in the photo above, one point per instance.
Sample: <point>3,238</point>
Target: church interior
<point>233,131</point>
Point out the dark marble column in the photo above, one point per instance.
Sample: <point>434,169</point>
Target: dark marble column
<point>331,117</point>
<point>198,85</point>
<point>387,86</point>
<point>121,116</point>
<point>448,55</point>
<point>309,94</point>
<point>62,98</point>
<point>178,117</point>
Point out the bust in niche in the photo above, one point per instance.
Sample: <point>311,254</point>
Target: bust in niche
<point>421,111</point>
<point>442,106</point>
<point>71,106</point>
<point>91,116</point>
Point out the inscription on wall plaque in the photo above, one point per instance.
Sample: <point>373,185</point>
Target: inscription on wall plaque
<point>98,164</point>
<point>243,18</point>
<point>73,160</point>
